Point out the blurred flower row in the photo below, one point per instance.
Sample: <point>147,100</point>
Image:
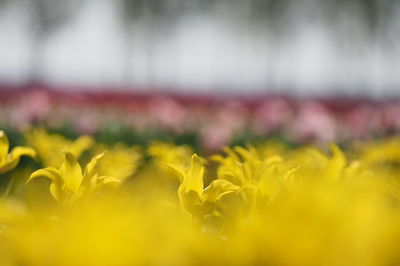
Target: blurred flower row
<point>81,202</point>
<point>215,121</point>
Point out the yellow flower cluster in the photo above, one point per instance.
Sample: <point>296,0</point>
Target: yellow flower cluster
<point>268,204</point>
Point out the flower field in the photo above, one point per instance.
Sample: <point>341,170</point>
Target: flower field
<point>199,132</point>
<point>108,179</point>
<point>208,122</point>
<point>82,202</point>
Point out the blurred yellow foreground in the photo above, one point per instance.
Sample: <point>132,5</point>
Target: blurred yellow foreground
<point>85,203</point>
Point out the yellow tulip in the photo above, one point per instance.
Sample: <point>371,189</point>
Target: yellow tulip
<point>9,161</point>
<point>259,178</point>
<point>264,205</point>
<point>196,199</point>
<point>68,182</point>
<point>49,146</point>
<point>119,161</point>
<point>164,153</point>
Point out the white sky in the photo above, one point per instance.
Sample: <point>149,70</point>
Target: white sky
<point>202,54</point>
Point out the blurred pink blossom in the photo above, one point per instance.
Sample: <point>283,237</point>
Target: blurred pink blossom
<point>314,122</point>
<point>271,115</point>
<point>34,106</point>
<point>169,114</point>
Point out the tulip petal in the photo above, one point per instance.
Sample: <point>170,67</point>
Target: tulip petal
<point>4,146</point>
<point>194,178</point>
<point>178,172</point>
<point>10,161</point>
<point>336,164</point>
<point>81,144</point>
<point>50,172</point>
<point>91,167</point>
<point>71,172</point>
<point>217,189</point>
<point>109,179</point>
<point>19,151</point>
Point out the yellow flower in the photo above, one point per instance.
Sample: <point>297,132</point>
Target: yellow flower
<point>336,164</point>
<point>196,199</point>
<point>8,161</point>
<point>49,146</point>
<point>258,177</point>
<point>119,161</point>
<point>164,153</point>
<point>308,206</point>
<point>387,150</point>
<point>68,183</point>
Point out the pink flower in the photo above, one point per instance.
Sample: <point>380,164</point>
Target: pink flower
<point>271,115</point>
<point>314,122</point>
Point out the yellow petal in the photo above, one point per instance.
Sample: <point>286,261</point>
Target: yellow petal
<point>97,182</point>
<point>217,189</point>
<point>71,172</point>
<point>56,181</point>
<point>55,191</point>
<point>80,145</point>
<point>273,159</point>
<point>11,161</point>
<point>230,153</point>
<point>91,166</point>
<point>217,158</point>
<point>49,172</point>
<point>109,179</point>
<point>247,155</point>
<point>288,176</point>
<point>336,164</point>
<point>269,185</point>
<point>192,203</point>
<point>4,146</point>
<point>194,178</point>
<point>318,157</point>
<point>19,151</point>
<point>178,172</point>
